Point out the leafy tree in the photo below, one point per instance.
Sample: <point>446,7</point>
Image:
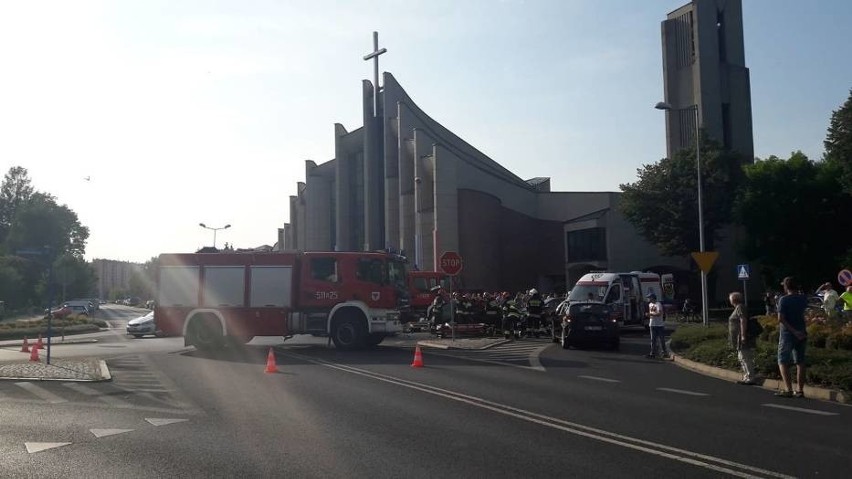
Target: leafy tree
<point>838,143</point>
<point>792,212</point>
<point>41,223</point>
<point>15,189</point>
<point>663,203</point>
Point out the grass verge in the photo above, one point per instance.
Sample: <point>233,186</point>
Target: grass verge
<point>829,368</point>
<point>31,328</point>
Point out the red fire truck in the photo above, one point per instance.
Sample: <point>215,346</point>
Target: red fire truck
<point>214,298</point>
<point>423,288</point>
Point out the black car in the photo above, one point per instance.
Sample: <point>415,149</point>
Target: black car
<point>589,323</point>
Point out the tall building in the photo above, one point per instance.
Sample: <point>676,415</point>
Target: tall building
<point>404,181</point>
<point>704,68</point>
<point>114,275</point>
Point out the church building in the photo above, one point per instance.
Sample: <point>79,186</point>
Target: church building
<point>403,181</point>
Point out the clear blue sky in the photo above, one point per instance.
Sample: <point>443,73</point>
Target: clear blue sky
<point>201,111</point>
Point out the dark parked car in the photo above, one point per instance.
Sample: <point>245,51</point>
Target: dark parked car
<point>587,323</point>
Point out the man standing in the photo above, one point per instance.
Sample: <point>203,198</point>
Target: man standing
<point>657,326</point>
<point>846,297</point>
<point>829,299</point>
<point>792,338</point>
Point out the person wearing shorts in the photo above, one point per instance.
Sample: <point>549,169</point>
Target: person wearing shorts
<point>792,338</point>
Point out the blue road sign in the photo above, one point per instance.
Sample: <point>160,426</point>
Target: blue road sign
<point>743,271</point>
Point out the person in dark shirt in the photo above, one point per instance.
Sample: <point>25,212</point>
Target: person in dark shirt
<point>792,338</point>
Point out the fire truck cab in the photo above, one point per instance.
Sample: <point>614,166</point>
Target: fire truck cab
<point>215,298</point>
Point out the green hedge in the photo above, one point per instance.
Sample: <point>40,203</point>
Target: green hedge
<point>31,329</point>
<point>830,368</point>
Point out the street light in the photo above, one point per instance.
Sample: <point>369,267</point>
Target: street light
<point>214,231</point>
<point>668,107</point>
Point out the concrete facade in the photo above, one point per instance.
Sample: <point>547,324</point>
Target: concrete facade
<point>404,181</point>
<point>704,68</point>
<point>113,275</point>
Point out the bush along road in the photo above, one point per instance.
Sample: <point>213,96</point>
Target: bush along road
<point>828,355</point>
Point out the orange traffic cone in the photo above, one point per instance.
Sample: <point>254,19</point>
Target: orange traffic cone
<point>418,358</point>
<point>270,363</point>
<point>34,354</point>
<point>25,348</point>
<point>39,344</point>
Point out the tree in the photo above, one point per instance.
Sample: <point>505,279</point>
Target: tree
<point>791,211</point>
<point>15,190</point>
<point>838,143</point>
<point>41,223</point>
<point>663,203</point>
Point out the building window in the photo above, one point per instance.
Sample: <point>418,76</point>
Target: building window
<point>720,36</point>
<point>586,245</point>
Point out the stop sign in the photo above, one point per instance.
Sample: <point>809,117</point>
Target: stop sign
<point>451,263</point>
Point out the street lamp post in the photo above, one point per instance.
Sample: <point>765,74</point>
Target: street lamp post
<point>214,231</point>
<point>668,108</point>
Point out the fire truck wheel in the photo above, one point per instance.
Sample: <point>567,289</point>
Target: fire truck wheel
<point>374,340</point>
<point>348,333</point>
<point>205,334</point>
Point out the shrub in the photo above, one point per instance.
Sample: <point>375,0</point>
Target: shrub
<point>826,367</point>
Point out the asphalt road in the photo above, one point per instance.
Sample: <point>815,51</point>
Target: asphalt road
<point>524,409</point>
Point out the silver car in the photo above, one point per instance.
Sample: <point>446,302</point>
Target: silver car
<point>142,325</point>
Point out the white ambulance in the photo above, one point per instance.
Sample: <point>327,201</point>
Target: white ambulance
<point>626,293</point>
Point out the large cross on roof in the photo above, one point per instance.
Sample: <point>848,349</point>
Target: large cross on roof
<point>375,57</point>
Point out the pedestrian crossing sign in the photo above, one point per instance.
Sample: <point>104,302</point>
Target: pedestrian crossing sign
<point>742,271</point>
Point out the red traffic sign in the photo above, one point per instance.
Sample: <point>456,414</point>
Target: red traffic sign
<point>844,277</point>
<point>451,263</point>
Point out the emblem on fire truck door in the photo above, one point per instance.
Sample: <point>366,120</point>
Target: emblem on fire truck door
<point>375,295</point>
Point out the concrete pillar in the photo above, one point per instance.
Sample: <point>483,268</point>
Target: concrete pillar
<point>343,184</point>
<point>374,188</point>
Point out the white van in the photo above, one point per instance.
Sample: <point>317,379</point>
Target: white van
<point>625,292</point>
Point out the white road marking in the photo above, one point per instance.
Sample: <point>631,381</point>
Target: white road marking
<point>649,447</point>
<point>595,378</point>
<point>41,392</point>
<point>162,421</point>
<point>42,446</point>
<point>681,391</point>
<point>801,409</point>
<point>91,392</point>
<point>109,432</point>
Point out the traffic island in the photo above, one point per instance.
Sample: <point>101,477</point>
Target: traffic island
<point>462,343</point>
<point>77,369</point>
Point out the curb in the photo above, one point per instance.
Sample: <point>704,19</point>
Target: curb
<point>811,392</point>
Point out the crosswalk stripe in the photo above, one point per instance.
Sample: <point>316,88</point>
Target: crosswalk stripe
<point>111,400</point>
<point>41,392</point>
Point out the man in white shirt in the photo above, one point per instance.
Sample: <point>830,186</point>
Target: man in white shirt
<point>657,326</point>
<point>829,299</point>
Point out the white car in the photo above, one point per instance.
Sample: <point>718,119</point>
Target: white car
<point>142,325</point>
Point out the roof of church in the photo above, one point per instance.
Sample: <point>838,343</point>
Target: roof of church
<point>594,215</point>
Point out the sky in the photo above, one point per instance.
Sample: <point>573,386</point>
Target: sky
<point>148,118</point>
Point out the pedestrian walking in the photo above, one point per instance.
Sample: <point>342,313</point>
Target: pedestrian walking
<point>741,338</point>
<point>657,325</point>
<point>793,337</point>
